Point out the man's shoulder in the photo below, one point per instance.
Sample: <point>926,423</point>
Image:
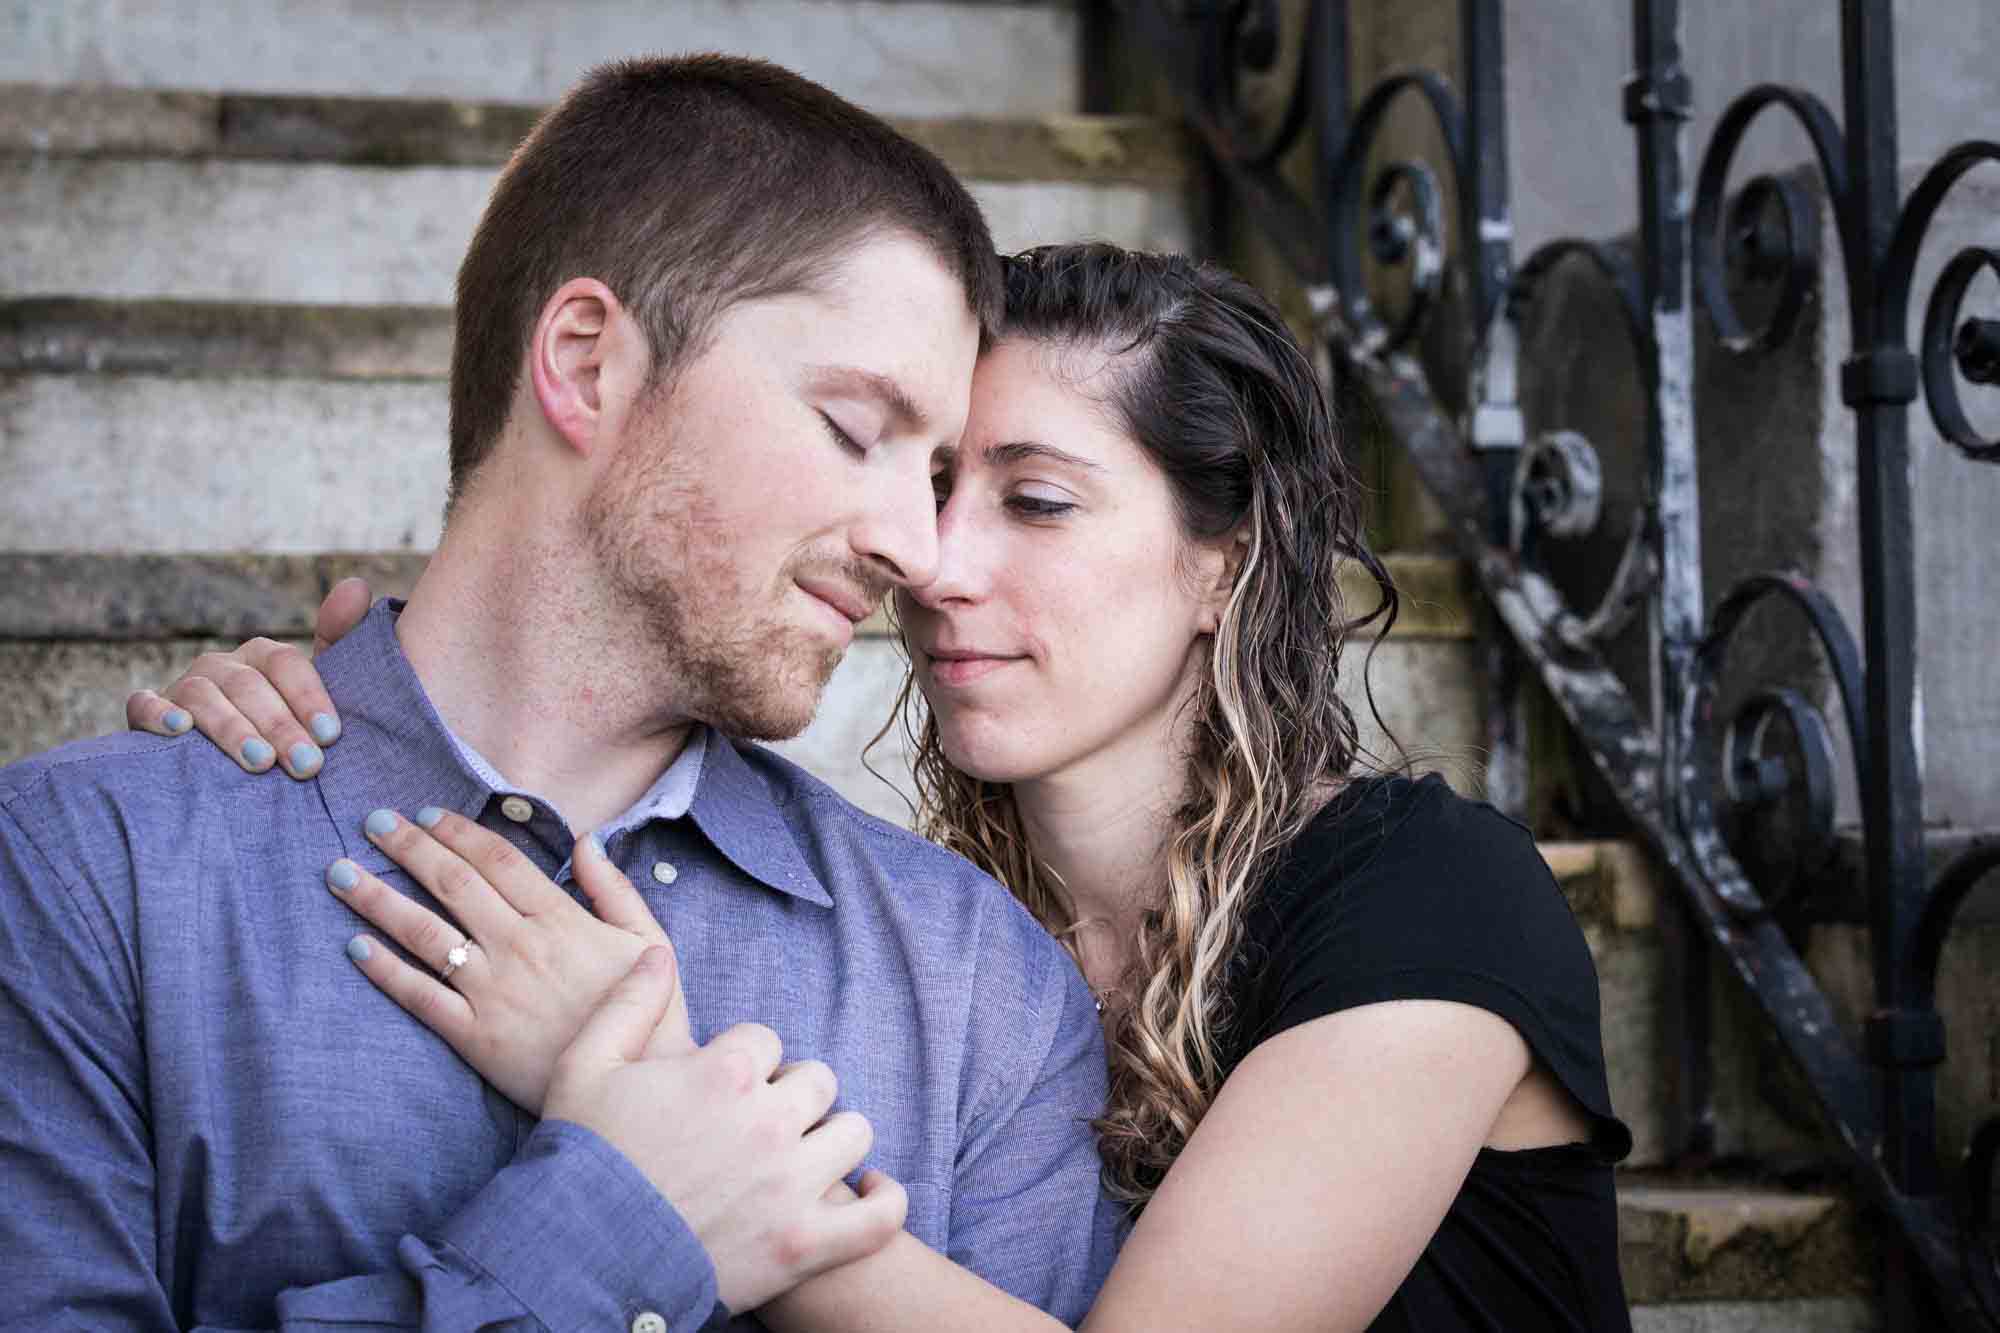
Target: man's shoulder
<point>1026,995</point>
<point>111,763</point>
<point>925,875</point>
<point>120,784</point>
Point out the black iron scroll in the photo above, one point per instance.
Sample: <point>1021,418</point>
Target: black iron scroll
<point>1690,781</point>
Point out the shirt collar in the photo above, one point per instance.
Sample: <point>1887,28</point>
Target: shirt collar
<point>668,798</point>
<point>396,752</point>
<point>737,811</point>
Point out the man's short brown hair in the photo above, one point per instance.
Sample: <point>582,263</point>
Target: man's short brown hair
<point>686,185</point>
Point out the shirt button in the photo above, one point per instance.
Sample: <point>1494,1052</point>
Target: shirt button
<point>664,872</point>
<point>518,808</point>
<point>649,1322</point>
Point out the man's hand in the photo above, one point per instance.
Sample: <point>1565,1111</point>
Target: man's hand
<point>262,703</point>
<point>736,1142</point>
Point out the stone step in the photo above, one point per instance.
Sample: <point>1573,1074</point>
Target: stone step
<point>1723,1244</point>
<point>221,230</point>
<point>49,121</point>
<point>903,57</point>
<point>68,335</point>
<point>79,630</point>
<point>152,463</point>
<point>58,690</point>
<point>1798,1316</point>
<point>106,597</point>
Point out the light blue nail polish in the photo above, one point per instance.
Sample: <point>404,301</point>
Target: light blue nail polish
<point>325,728</point>
<point>305,757</point>
<point>381,823</point>
<point>343,875</point>
<point>177,721</point>
<point>429,816</point>
<point>358,950</point>
<point>595,846</point>
<point>258,753</point>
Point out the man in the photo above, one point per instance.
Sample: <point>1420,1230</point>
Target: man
<point>713,329</point>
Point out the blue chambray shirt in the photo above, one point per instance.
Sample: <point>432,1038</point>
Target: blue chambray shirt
<point>210,1118</point>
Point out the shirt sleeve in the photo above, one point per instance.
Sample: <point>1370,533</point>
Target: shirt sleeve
<point>568,1235</point>
<point>1456,904</point>
<point>1028,1211</point>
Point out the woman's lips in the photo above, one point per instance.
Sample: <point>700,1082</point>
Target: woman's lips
<point>964,669</point>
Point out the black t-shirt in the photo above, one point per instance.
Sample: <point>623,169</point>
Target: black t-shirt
<point>1401,890</point>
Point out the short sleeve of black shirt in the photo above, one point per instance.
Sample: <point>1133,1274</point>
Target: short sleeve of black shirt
<point>1402,890</point>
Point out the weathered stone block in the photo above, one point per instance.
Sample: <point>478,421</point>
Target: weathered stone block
<point>72,335</point>
<point>54,693</point>
<point>100,121</point>
<point>1828,1316</point>
<point>926,57</point>
<point>64,691</point>
<point>255,231</point>
<point>92,596</point>
<point>1721,1243</point>
<point>139,463</point>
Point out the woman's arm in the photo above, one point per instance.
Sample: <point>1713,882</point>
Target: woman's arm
<point>1301,1202</point>
<point>1320,1174</point>
<point>904,1285</point>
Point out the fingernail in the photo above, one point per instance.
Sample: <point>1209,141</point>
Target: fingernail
<point>429,816</point>
<point>358,950</point>
<point>258,753</point>
<point>305,758</point>
<point>325,728</point>
<point>596,847</point>
<point>380,824</point>
<point>177,721</point>
<point>342,875</point>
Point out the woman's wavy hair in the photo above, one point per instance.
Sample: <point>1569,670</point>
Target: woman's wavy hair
<point>1210,382</point>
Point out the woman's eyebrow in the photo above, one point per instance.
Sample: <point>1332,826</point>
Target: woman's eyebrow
<point>877,386</point>
<point>1021,451</point>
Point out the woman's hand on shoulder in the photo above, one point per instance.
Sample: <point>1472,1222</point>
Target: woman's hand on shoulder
<point>1320,1172</point>
<point>263,703</point>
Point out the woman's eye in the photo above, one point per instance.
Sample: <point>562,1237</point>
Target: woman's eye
<point>1037,506</point>
<point>941,487</point>
<point>841,437</point>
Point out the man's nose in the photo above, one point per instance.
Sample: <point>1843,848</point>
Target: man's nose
<point>898,532</point>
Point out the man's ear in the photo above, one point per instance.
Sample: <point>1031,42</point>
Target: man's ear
<point>1222,562</point>
<point>576,358</point>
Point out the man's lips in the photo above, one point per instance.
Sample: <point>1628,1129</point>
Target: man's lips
<point>849,603</point>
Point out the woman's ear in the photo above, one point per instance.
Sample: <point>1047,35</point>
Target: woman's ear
<point>1222,562</point>
<point>575,356</point>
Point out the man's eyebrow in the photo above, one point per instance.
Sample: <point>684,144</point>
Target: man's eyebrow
<point>878,386</point>
<point>1021,451</point>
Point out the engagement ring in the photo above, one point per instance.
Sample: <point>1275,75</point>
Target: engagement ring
<point>460,955</point>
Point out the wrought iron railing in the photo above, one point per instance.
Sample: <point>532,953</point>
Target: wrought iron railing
<point>1685,777</point>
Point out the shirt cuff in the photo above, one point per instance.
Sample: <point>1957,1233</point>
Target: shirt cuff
<point>579,1236</point>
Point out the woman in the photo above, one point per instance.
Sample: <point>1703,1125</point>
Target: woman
<point>1355,1063</point>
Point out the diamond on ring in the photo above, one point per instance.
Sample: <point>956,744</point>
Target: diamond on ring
<point>460,955</point>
